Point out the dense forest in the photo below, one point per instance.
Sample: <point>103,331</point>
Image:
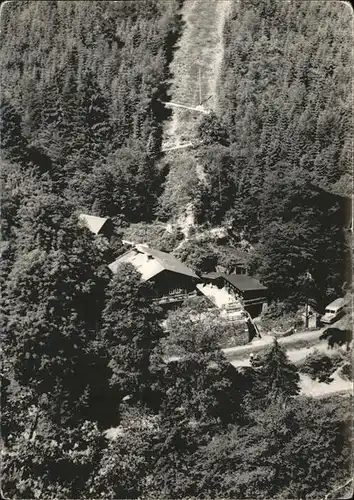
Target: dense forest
<point>82,352</point>
<point>80,98</point>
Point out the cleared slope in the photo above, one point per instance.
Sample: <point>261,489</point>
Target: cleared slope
<point>200,48</point>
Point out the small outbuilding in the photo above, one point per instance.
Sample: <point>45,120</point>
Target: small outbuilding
<point>98,225</point>
<point>249,290</point>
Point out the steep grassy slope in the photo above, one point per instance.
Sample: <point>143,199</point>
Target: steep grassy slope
<point>200,48</point>
<point>195,73</point>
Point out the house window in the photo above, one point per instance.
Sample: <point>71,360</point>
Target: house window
<point>176,291</point>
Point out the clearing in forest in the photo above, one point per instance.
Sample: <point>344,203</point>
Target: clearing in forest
<point>198,58</point>
<point>195,73</point>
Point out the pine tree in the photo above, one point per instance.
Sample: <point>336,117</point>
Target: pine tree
<point>50,137</point>
<point>72,123</point>
<point>13,143</point>
<point>125,185</point>
<point>277,376</point>
<point>130,332</point>
<point>212,131</point>
<point>33,115</point>
<point>93,108</point>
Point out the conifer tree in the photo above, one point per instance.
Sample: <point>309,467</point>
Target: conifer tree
<point>276,377</point>
<point>212,131</point>
<point>13,143</point>
<point>130,332</point>
<point>50,136</point>
<point>93,108</point>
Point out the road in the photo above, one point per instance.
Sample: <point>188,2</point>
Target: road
<point>306,343</point>
<point>241,352</point>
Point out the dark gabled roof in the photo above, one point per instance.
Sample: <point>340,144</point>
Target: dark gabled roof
<point>244,283</point>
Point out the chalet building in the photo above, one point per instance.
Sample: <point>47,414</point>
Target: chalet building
<point>172,280</point>
<point>251,293</point>
<point>98,225</point>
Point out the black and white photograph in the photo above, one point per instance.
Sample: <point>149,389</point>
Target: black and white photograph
<point>176,249</point>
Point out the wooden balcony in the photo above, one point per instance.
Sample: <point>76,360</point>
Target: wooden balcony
<point>175,297</point>
<point>255,301</point>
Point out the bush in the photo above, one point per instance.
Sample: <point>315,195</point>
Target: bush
<point>346,371</point>
<point>199,324</point>
<point>233,334</point>
<point>320,366</point>
<point>277,319</point>
<point>197,305</point>
<point>168,242</point>
<point>142,233</point>
<point>202,258</point>
<point>154,235</point>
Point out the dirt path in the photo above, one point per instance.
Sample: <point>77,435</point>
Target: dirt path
<point>299,340</point>
<point>308,386</point>
<point>294,355</point>
<point>320,389</point>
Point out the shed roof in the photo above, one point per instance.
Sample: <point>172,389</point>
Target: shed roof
<point>243,282</point>
<point>240,281</point>
<point>150,262</point>
<point>95,224</point>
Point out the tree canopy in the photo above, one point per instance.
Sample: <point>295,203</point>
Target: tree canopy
<point>100,399</point>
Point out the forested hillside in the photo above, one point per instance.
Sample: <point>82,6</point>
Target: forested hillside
<point>81,110</point>
<point>91,406</point>
<point>79,89</point>
<point>284,131</point>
